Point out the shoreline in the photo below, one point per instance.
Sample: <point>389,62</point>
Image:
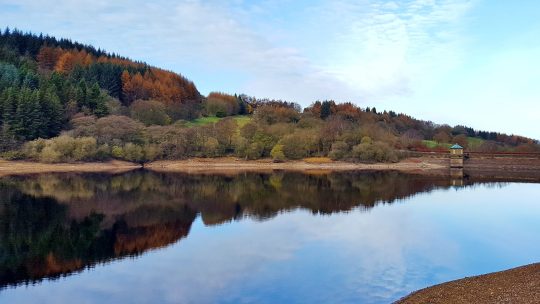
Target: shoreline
<point>28,167</point>
<point>515,285</point>
<point>426,165</point>
<point>217,165</point>
<point>231,164</point>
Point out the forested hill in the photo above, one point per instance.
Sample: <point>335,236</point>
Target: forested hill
<point>44,81</point>
<point>65,101</point>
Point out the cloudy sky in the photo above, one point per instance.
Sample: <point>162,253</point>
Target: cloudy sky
<point>473,62</point>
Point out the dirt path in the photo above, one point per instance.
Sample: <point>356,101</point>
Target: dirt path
<point>517,285</point>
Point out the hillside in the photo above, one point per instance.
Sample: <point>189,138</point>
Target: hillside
<point>63,101</point>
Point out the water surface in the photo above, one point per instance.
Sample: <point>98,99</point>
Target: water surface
<point>365,237</point>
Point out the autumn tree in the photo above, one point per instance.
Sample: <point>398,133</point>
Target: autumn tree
<point>461,140</point>
<point>149,112</point>
<point>65,63</point>
<point>441,137</point>
<point>225,130</point>
<point>48,56</point>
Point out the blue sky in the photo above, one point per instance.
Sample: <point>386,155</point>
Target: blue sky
<point>473,62</point>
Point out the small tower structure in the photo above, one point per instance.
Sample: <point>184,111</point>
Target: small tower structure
<point>456,156</point>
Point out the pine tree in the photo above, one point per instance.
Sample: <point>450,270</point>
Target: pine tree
<point>94,94</point>
<point>10,106</point>
<point>81,94</point>
<point>325,109</point>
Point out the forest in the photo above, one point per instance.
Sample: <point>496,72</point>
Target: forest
<point>63,101</point>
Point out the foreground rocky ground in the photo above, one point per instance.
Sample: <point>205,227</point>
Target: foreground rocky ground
<point>517,285</point>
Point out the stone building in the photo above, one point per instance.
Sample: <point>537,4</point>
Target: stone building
<point>456,156</point>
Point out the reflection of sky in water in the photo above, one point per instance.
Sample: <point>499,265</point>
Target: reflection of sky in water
<point>369,257</point>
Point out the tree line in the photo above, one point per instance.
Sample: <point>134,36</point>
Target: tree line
<point>65,101</point>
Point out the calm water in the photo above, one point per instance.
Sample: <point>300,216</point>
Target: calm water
<point>255,238</point>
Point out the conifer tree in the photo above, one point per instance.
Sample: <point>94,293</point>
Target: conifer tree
<point>81,94</point>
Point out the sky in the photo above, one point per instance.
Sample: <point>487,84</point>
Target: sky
<point>471,62</point>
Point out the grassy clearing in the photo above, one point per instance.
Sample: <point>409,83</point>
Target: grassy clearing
<point>474,142</point>
<point>203,121</point>
<point>429,143</point>
<point>241,120</point>
<point>433,144</point>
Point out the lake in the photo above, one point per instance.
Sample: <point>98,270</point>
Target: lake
<point>284,237</point>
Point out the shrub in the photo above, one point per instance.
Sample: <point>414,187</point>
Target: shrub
<point>103,152</point>
<point>277,153</point>
<point>83,126</point>
<point>378,152</point>
<point>300,144</point>
<point>254,150</point>
<point>117,129</point>
<point>271,114</point>
<point>149,112</point>
<point>210,147</point>
<point>32,149</point>
<point>151,152</point>
<point>264,141</point>
<point>62,149</point>
<point>117,152</point>
<point>339,150</point>
<point>85,148</point>
<point>13,155</point>
<point>241,146</point>
<point>366,140</point>
<point>133,152</point>
<point>64,145</point>
<point>50,155</point>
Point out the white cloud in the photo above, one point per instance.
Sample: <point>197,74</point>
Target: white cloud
<point>396,55</point>
<point>387,48</point>
<point>368,50</point>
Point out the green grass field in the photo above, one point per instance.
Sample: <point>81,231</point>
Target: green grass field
<point>433,144</point>
<point>474,142</point>
<point>241,120</point>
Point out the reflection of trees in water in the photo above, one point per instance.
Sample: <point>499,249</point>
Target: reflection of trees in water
<point>39,238</point>
<point>56,224</point>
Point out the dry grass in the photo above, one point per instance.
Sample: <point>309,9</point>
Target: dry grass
<point>209,165</point>
<point>319,163</point>
<point>27,167</point>
<point>317,160</point>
